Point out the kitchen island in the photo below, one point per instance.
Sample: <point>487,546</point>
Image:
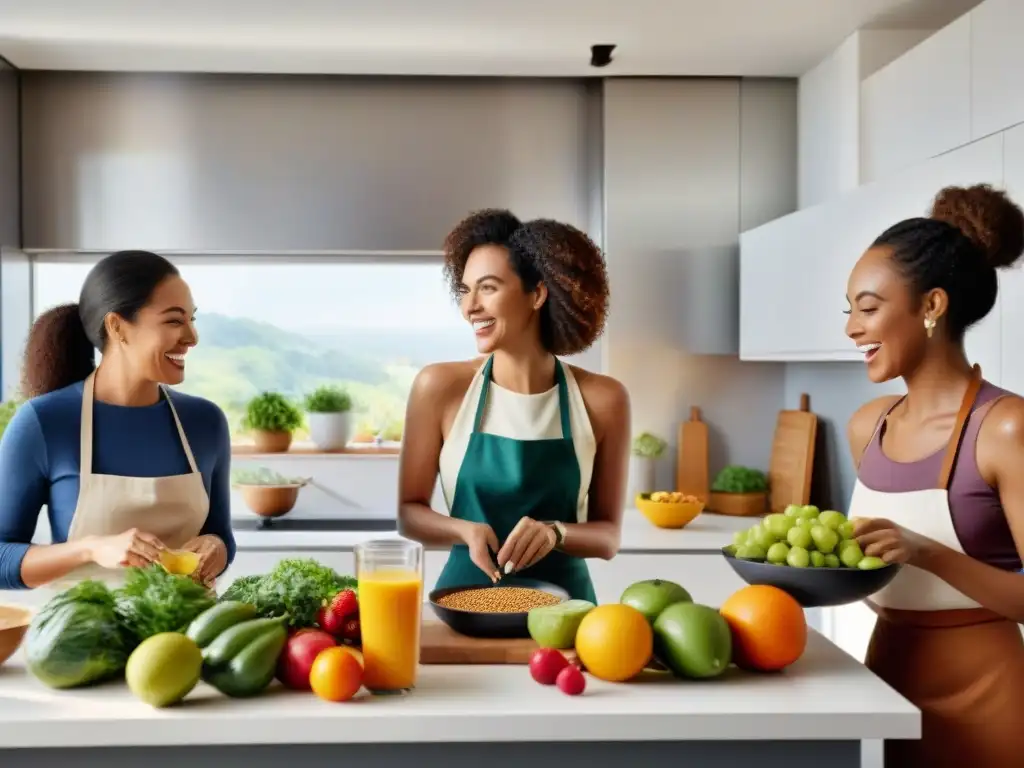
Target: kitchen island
<point>816,713</point>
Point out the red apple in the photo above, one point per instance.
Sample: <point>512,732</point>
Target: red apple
<point>545,664</point>
<point>570,680</point>
<point>298,656</point>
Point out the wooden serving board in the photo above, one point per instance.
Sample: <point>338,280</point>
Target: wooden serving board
<point>692,466</point>
<point>792,460</point>
<point>440,644</point>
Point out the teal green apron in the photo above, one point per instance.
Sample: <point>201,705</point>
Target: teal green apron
<point>503,480</point>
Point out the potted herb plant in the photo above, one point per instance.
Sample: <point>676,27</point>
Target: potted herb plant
<point>328,411</point>
<point>272,418</point>
<point>739,491</point>
<point>267,493</point>
<point>647,449</point>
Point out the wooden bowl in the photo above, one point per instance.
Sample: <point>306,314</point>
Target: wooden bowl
<point>14,621</point>
<point>270,500</point>
<point>669,514</point>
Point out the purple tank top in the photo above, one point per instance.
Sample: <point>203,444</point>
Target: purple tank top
<point>978,517</point>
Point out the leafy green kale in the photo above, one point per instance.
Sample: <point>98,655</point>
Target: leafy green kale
<point>737,479</point>
<point>153,600</point>
<point>295,586</point>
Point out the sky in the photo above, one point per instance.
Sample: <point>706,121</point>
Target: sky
<point>297,297</point>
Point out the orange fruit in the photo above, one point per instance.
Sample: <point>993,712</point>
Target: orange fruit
<point>769,629</point>
<point>614,642</point>
<point>336,673</point>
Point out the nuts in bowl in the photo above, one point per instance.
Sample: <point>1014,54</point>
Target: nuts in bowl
<point>669,509</point>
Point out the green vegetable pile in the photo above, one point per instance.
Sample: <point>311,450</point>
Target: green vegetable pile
<point>296,587</point>
<point>153,600</point>
<point>736,479</point>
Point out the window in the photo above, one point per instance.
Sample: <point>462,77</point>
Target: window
<point>291,326</point>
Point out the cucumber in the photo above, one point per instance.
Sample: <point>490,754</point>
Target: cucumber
<point>253,669</point>
<point>231,641</point>
<point>208,625</point>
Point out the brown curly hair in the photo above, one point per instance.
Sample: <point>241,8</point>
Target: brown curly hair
<point>970,232</point>
<point>561,256</point>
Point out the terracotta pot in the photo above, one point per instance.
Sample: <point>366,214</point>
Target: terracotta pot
<point>270,500</point>
<point>738,504</point>
<point>271,442</point>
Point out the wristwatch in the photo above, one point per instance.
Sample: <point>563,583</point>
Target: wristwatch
<point>559,529</point>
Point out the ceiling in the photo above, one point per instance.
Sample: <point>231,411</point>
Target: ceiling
<point>448,37</point>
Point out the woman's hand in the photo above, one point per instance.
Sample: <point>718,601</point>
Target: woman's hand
<point>893,543</point>
<point>482,541</point>
<point>133,547</point>
<point>213,558</point>
<point>529,542</point>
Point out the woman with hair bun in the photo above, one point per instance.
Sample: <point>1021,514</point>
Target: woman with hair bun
<point>125,467</point>
<point>940,481</point>
<point>532,453</point>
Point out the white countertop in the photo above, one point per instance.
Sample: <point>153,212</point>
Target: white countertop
<point>826,695</point>
<point>707,533</point>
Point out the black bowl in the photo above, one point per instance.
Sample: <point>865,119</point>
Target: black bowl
<point>503,625</point>
<point>815,587</point>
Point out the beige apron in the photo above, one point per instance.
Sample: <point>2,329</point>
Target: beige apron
<point>960,664</point>
<point>172,508</point>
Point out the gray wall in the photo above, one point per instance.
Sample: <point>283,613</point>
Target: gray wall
<point>10,207</point>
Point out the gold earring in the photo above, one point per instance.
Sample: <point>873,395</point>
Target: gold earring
<point>929,326</point>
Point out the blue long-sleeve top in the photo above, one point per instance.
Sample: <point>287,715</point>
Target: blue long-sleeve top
<point>39,462</point>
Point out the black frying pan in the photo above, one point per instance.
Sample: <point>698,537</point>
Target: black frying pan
<point>503,625</point>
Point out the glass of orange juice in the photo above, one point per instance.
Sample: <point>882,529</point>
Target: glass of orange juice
<point>390,576</point>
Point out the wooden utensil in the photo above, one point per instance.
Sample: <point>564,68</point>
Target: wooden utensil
<point>692,465</point>
<point>440,644</point>
<point>792,459</point>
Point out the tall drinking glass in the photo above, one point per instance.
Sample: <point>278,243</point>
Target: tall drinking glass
<point>390,575</point>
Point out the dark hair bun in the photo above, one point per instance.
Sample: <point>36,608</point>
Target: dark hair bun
<point>988,217</point>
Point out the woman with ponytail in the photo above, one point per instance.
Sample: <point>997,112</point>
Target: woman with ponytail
<point>126,467</point>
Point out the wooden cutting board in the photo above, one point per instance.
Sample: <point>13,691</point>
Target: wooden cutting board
<point>692,465</point>
<point>792,459</point>
<point>440,644</point>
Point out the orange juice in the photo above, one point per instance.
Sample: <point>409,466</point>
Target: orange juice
<point>390,607</point>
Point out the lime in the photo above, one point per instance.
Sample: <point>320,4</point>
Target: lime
<point>164,669</point>
<point>554,626</point>
<point>817,559</point>
<point>831,519</point>
<point>777,553</point>
<point>693,640</point>
<point>845,529</point>
<point>751,552</point>
<point>825,539</point>
<point>799,536</point>
<point>831,560</point>
<point>652,596</point>
<point>798,557</point>
<point>793,510</point>
<point>851,554</point>
<point>871,563</point>
<point>778,525</point>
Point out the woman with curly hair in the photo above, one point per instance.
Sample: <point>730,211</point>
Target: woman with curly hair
<point>532,453</point>
<point>125,467</point>
<point>940,485</point>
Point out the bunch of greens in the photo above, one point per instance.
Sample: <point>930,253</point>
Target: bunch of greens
<point>296,587</point>
<point>272,412</point>
<point>648,446</point>
<point>76,638</point>
<point>153,600</point>
<point>328,399</point>
<point>736,479</point>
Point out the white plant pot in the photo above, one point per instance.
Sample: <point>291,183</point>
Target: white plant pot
<point>329,431</point>
<point>641,477</point>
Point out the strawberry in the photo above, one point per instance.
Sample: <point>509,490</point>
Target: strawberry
<point>330,622</point>
<point>332,616</point>
<point>344,603</point>
<point>350,630</point>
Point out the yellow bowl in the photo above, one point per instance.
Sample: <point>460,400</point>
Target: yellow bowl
<point>667,514</point>
<point>179,561</point>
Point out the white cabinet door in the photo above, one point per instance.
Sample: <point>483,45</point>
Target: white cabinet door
<point>997,66</point>
<point>1011,281</point>
<point>918,106</point>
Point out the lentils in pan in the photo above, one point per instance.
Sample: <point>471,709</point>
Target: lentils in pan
<point>498,600</point>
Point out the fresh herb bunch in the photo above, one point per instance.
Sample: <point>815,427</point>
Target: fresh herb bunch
<point>296,587</point>
<point>272,412</point>
<point>648,446</point>
<point>736,479</point>
<point>262,476</point>
<point>328,399</point>
<point>153,600</point>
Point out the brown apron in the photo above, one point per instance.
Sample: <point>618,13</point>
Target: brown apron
<point>172,508</point>
<point>960,664</point>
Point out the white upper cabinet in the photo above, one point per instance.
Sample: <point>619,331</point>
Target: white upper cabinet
<point>793,270</point>
<point>997,66</point>
<point>919,105</point>
<point>1011,281</point>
